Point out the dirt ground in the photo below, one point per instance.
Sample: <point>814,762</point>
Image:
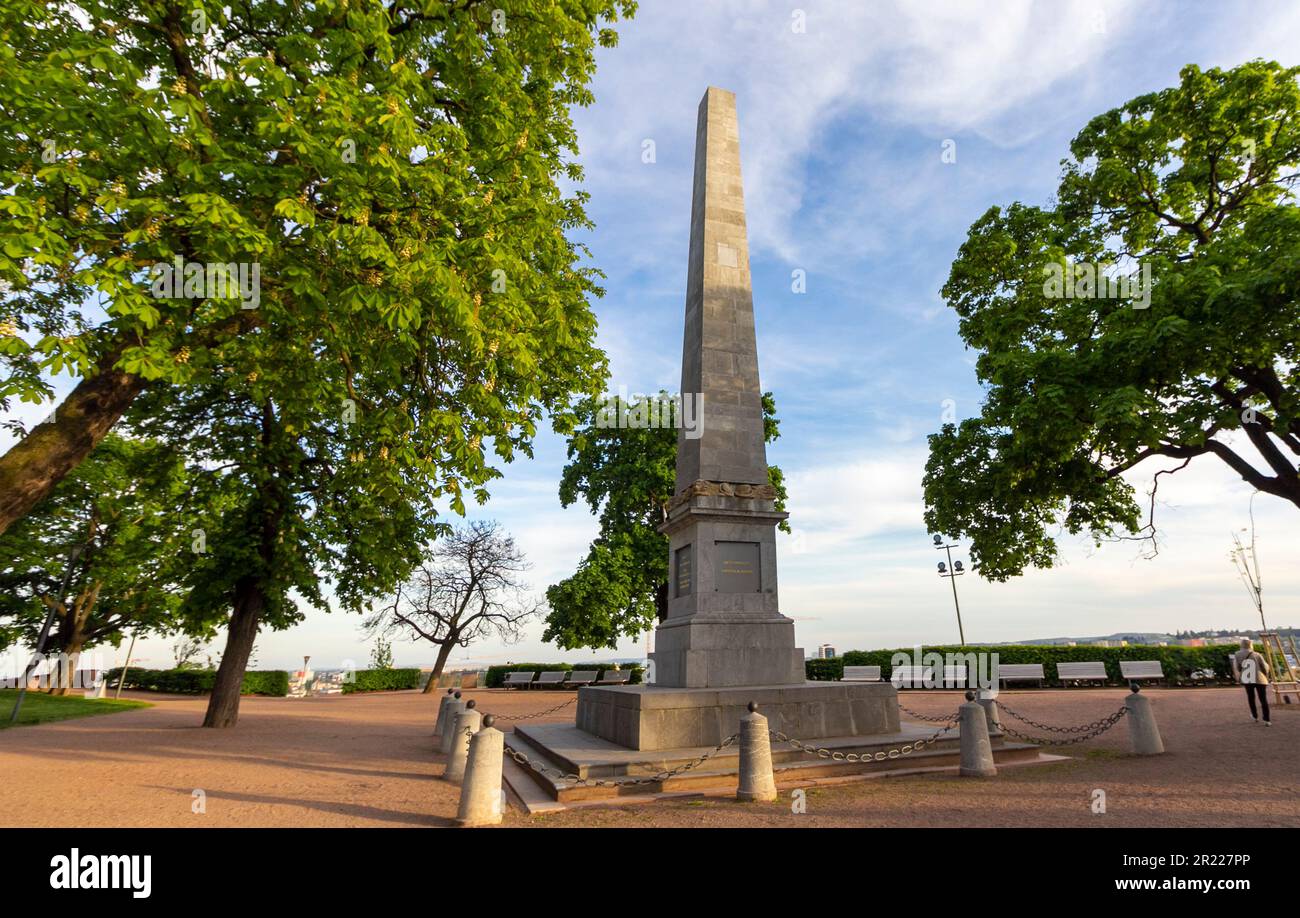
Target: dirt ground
<point>368,760</point>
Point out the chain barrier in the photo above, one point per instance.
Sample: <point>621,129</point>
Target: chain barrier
<point>571,779</point>
<point>836,755</point>
<point>919,716</point>
<point>1080,733</point>
<point>558,707</point>
<point>575,780</point>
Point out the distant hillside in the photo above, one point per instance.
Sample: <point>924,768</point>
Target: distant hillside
<point>1133,637</point>
<point>1155,637</point>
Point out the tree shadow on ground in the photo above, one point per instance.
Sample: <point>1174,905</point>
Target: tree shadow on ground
<point>359,811</point>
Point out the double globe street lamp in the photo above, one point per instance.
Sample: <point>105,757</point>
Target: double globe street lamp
<point>952,570</point>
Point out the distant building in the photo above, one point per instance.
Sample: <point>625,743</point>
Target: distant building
<point>826,652</point>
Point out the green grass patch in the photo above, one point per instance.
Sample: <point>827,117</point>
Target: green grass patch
<point>39,708</point>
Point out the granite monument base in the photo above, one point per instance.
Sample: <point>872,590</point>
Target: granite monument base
<point>648,717</point>
<point>721,651</point>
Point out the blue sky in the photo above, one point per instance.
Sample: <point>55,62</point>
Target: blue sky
<point>842,131</point>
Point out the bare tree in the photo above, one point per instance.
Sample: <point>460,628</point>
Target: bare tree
<point>468,588</point>
<point>186,650</point>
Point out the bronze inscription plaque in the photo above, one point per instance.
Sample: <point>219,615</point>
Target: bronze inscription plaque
<point>737,567</point>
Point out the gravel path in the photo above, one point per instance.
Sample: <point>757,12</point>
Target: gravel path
<point>368,760</point>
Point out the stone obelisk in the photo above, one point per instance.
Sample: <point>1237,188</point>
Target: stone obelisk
<point>724,627</point>
<point>724,643</point>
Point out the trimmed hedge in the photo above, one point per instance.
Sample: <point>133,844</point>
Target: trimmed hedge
<point>496,675</point>
<point>1178,662</point>
<point>199,681</point>
<point>382,680</point>
<point>831,670</point>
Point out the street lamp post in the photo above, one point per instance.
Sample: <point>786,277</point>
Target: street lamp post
<point>951,570</point>
<point>121,679</point>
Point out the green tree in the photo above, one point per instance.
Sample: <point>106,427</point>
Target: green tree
<point>627,476</point>
<point>381,655</point>
<point>390,168</point>
<point>106,550</point>
<point>301,510</point>
<point>393,171</point>
<point>1195,185</point>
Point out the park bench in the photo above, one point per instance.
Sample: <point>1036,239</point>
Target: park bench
<point>550,679</point>
<point>581,677</point>
<point>955,677</point>
<point>614,677</point>
<point>861,674</point>
<point>1021,672</point>
<point>1082,672</point>
<point>1133,670</point>
<point>911,676</point>
<point>518,680</point>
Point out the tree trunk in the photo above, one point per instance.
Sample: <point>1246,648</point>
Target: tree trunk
<point>223,704</point>
<point>72,635</point>
<point>444,651</point>
<point>68,668</point>
<point>251,600</point>
<point>40,460</point>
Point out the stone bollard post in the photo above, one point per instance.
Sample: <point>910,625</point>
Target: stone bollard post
<point>442,712</point>
<point>756,780</point>
<point>1143,734</point>
<point>976,751</point>
<point>480,793</point>
<point>454,707</point>
<point>467,724</point>
<point>988,700</point>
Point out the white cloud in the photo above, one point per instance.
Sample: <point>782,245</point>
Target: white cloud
<point>860,565</point>
<point>941,67</point>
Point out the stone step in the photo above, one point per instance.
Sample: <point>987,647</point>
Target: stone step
<point>526,793</point>
<point>575,751</point>
<point>525,781</point>
<point>792,774</point>
<point>790,767</point>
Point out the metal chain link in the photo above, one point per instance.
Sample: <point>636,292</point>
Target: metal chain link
<point>558,707</point>
<point>579,781</point>
<point>1085,732</point>
<point>1081,734</point>
<point>1084,728</point>
<point>919,716</point>
<point>837,756</point>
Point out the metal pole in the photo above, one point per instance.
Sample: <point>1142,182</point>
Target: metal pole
<point>953,579</point>
<point>122,678</point>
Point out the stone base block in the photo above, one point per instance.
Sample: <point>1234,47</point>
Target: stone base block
<point>649,717</point>
<point>698,652</point>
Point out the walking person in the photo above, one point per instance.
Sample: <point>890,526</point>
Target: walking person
<point>1251,670</point>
